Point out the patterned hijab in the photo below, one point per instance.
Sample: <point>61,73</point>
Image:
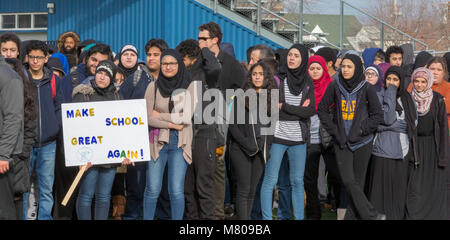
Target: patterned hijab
<point>424,98</point>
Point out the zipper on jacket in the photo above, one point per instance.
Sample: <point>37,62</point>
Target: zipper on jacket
<point>40,115</point>
<point>254,135</point>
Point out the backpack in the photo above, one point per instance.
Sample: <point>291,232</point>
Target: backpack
<point>53,85</point>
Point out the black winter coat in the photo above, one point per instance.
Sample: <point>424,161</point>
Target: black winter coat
<point>368,115</point>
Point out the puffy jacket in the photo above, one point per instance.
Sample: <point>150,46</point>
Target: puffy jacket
<point>49,108</point>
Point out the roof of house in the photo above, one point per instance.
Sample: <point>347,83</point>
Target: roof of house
<point>329,23</point>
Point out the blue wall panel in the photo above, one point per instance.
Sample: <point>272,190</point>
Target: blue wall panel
<point>119,22</point>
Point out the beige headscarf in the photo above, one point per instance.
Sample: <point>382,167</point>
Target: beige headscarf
<point>424,98</point>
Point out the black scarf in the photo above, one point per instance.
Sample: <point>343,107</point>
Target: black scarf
<point>296,78</point>
<point>128,71</point>
<point>358,76</point>
<point>182,79</point>
<point>408,105</point>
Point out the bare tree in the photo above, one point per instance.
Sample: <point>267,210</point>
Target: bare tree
<point>422,19</point>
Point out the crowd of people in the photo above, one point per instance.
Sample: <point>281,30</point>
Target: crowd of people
<point>376,125</point>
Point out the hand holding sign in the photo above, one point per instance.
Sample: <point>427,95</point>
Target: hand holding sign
<point>104,133</point>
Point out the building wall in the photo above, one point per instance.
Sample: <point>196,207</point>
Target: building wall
<point>119,22</point>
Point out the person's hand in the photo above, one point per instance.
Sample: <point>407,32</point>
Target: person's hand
<point>88,165</point>
<point>4,166</point>
<point>127,161</point>
<point>178,127</point>
<point>155,114</point>
<point>306,103</point>
<point>280,105</point>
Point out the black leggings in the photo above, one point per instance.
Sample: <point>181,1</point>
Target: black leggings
<point>312,209</point>
<point>247,171</point>
<point>353,168</point>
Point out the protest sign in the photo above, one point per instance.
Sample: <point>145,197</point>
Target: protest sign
<point>105,132</point>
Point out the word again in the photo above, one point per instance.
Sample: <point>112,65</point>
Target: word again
<point>87,140</point>
<point>85,112</point>
<point>124,121</point>
<point>126,154</point>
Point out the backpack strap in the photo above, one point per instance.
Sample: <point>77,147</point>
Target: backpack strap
<point>53,85</point>
<point>137,77</point>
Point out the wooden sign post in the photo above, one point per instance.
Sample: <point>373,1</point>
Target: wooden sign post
<point>74,185</point>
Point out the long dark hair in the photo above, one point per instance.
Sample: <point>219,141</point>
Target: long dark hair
<point>29,97</point>
<point>268,83</point>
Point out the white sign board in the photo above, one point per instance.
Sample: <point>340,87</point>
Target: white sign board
<point>105,132</point>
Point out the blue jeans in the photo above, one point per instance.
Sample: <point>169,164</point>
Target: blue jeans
<point>171,155</point>
<point>284,191</point>
<point>98,181</point>
<point>297,159</point>
<point>43,159</point>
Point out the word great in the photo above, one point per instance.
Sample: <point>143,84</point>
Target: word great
<point>85,112</point>
<point>87,140</point>
<point>124,121</point>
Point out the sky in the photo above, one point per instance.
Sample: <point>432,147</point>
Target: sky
<point>333,6</point>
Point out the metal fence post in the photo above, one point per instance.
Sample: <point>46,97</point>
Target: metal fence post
<point>258,19</point>
<point>300,26</point>
<point>382,36</point>
<point>216,2</point>
<point>341,39</point>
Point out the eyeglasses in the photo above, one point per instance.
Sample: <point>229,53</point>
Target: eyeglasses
<point>172,64</point>
<point>31,57</point>
<point>369,74</point>
<point>204,38</point>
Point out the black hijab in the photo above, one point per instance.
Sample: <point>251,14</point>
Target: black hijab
<point>408,105</point>
<point>358,76</point>
<point>422,59</point>
<point>182,79</point>
<point>296,78</point>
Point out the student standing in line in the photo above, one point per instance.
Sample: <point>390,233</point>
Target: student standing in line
<point>249,148</point>
<point>171,138</point>
<point>319,143</point>
<point>427,183</point>
<point>296,105</point>
<point>393,147</point>
<point>98,179</point>
<point>357,116</point>
<point>438,67</point>
<point>11,136</point>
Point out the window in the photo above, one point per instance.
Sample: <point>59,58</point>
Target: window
<point>9,21</point>
<point>23,21</point>
<point>40,20</point>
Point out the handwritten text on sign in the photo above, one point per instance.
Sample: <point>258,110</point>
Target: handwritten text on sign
<point>105,132</point>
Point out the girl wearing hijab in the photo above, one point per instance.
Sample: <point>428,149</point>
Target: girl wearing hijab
<point>319,143</point>
<point>128,60</point>
<point>249,149</point>
<point>98,179</point>
<point>374,75</point>
<point>427,184</point>
<point>297,104</point>
<point>170,103</point>
<point>393,147</point>
<point>356,114</point>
